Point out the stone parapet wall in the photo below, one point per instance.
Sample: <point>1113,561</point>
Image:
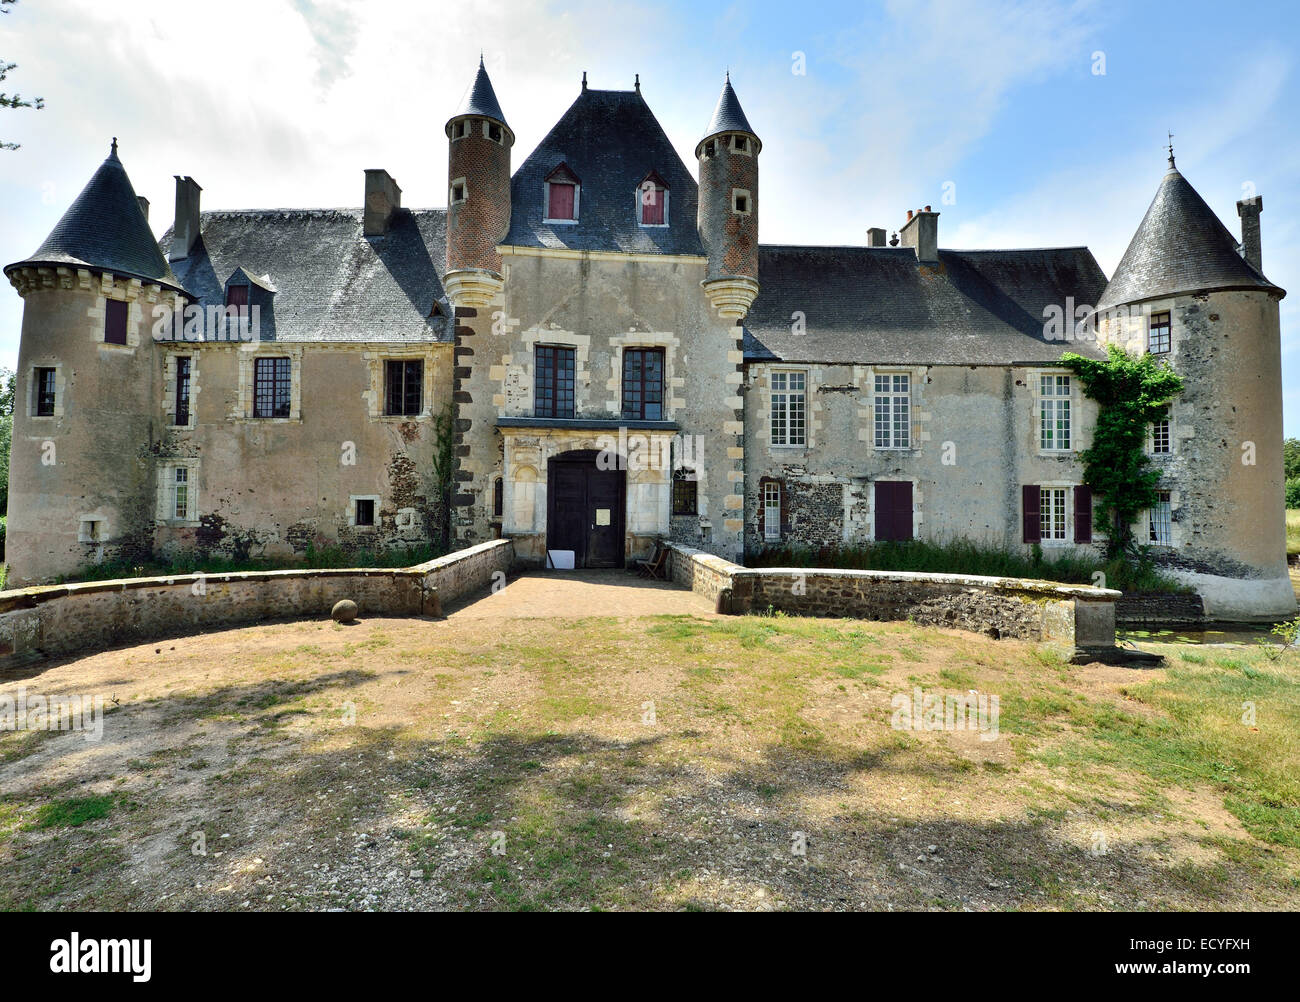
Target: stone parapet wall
<point>1073,615</point>
<point>64,619</point>
<point>1170,609</point>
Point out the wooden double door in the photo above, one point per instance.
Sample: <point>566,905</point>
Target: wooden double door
<point>585,509</point>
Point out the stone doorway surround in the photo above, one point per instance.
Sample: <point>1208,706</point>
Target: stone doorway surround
<point>528,445</point>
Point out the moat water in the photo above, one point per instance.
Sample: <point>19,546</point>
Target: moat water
<point>1204,633</point>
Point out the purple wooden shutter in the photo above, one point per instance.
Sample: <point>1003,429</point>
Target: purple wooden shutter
<point>115,322</point>
<point>1031,502</point>
<point>561,205</point>
<point>1083,514</point>
<point>893,509</point>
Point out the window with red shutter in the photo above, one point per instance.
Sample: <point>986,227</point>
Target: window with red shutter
<point>893,510</point>
<point>1031,501</point>
<point>560,201</point>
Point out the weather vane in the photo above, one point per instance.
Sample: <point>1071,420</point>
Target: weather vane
<point>1171,150</point>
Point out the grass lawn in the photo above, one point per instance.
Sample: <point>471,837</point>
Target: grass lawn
<point>669,762</point>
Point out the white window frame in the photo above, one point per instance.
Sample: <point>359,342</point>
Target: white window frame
<point>577,204</point>
<point>32,390</point>
<point>783,393</point>
<point>1167,439</point>
<point>639,204</point>
<point>1047,512</point>
<point>1054,403</point>
<point>886,403</point>
<point>1160,521</point>
<point>771,526</point>
<point>352,512</point>
<point>167,483</point>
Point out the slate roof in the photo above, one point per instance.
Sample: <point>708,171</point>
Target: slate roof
<point>728,116</point>
<point>106,229</point>
<point>610,139</point>
<point>877,305</point>
<point>331,283</point>
<point>1181,246</point>
<point>480,99</point>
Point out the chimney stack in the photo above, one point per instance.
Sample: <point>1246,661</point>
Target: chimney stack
<point>921,233</point>
<point>383,198</point>
<point>144,205</point>
<point>876,237</point>
<point>185,233</point>
<point>1249,209</point>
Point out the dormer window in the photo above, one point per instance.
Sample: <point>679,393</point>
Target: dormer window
<point>237,297</point>
<point>652,200</point>
<point>740,144</point>
<point>563,192</point>
<point>460,130</point>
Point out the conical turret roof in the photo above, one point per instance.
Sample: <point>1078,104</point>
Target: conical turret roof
<point>728,116</point>
<point>1180,247</point>
<point>480,99</point>
<point>105,229</point>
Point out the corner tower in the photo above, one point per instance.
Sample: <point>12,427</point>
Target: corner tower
<point>1188,293</point>
<point>81,484</point>
<point>728,206</point>
<point>478,194</point>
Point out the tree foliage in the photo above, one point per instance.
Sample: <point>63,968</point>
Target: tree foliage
<point>13,100</point>
<point>1131,391</point>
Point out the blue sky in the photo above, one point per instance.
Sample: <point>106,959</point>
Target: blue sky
<point>286,102</point>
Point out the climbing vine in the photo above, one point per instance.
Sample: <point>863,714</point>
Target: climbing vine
<point>1131,392</point>
<point>443,466</point>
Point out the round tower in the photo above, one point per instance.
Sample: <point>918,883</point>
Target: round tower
<point>728,206</point>
<point>478,194</point>
<point>81,473</point>
<point>1186,291</point>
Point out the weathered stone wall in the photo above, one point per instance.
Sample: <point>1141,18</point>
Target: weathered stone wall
<point>1071,615</point>
<point>63,619</point>
<point>973,444</point>
<point>1171,609</point>
<point>600,304</point>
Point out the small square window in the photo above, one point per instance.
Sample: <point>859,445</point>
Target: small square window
<point>458,192</point>
<point>90,530</point>
<point>494,132</point>
<point>740,143</point>
<point>710,150</point>
<point>742,203</point>
<point>365,512</point>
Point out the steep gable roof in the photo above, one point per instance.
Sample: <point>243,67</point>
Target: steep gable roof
<point>877,305</point>
<point>610,139</point>
<point>1181,246</point>
<point>105,229</point>
<point>330,282</point>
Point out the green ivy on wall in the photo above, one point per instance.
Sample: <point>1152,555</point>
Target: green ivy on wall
<point>1132,392</point>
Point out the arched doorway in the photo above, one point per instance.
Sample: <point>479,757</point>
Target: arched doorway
<point>585,509</point>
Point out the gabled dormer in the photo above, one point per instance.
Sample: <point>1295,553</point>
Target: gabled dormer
<point>652,200</point>
<point>563,195</point>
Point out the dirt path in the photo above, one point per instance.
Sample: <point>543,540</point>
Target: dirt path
<point>547,594</point>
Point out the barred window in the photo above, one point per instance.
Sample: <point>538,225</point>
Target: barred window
<point>643,384</point>
<point>685,492</point>
<point>1160,530</point>
<point>403,387</point>
<point>1158,340</point>
<point>1054,413</point>
<point>788,408</point>
<point>272,385</point>
<point>553,382</point>
<point>182,415</point>
<point>1052,513</point>
<point>893,411</point>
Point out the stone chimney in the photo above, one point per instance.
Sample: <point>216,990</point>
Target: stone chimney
<point>185,233</point>
<point>383,198</point>
<point>144,205</point>
<point>875,237</point>
<point>921,233</point>
<point>1249,209</point>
